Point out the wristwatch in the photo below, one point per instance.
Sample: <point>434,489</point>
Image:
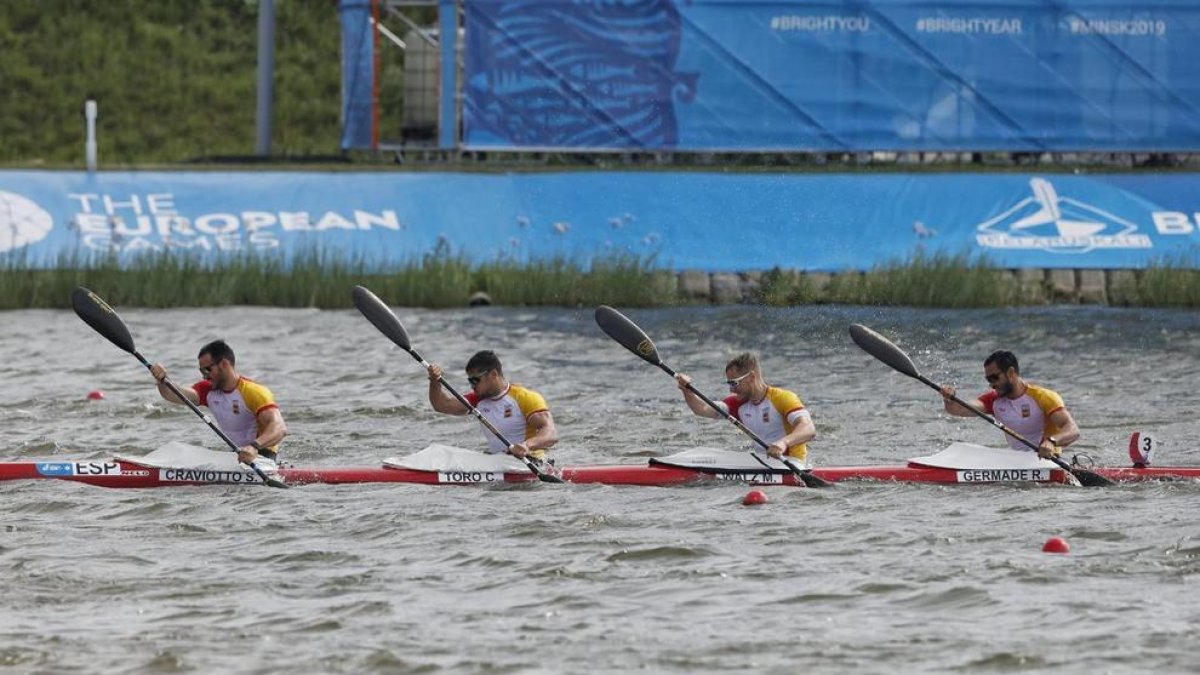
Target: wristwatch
<point>256,445</point>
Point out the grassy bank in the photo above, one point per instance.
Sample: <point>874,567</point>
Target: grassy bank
<point>174,79</point>
<point>938,280</point>
<point>439,279</point>
<point>443,279</point>
<point>1166,285</point>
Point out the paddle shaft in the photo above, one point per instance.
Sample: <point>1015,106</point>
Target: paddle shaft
<point>200,413</point>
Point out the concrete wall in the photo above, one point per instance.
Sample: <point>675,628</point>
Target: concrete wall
<point>1058,286</point>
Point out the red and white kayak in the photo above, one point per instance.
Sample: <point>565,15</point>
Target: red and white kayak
<point>177,465</point>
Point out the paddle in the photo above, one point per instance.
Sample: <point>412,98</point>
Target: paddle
<point>881,348</point>
<point>96,313</point>
<point>627,334</point>
<point>385,320</point>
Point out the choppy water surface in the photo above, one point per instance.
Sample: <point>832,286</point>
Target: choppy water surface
<point>404,578</point>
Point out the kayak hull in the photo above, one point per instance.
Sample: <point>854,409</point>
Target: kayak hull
<point>123,474</point>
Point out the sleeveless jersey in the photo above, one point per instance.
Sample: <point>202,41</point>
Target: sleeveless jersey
<point>509,411</point>
<point>1028,414</point>
<point>236,412</point>
<point>772,418</point>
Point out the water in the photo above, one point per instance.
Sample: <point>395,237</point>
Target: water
<point>874,578</point>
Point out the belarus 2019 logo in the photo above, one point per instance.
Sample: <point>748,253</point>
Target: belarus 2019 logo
<point>22,221</point>
<point>1050,222</point>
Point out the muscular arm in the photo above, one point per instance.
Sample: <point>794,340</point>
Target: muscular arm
<point>160,376</point>
<point>694,402</point>
<point>1068,431</point>
<point>804,432</point>
<point>439,398</point>
<point>546,434</point>
<point>954,408</point>
<point>169,395</point>
<point>273,428</point>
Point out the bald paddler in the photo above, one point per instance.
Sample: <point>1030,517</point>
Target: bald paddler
<point>520,414</point>
<point>244,409</point>
<point>776,415</point>
<point>1033,411</point>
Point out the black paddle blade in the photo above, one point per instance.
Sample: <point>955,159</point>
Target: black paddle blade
<point>813,481</point>
<point>381,316</point>
<point>545,476</point>
<point>882,348</point>
<point>1091,479</point>
<point>96,313</point>
<point>1086,478</point>
<point>618,327</point>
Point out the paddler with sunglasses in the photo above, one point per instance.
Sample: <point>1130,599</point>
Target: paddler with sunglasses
<point>518,413</point>
<point>776,415</point>
<point>244,409</point>
<point>1033,411</point>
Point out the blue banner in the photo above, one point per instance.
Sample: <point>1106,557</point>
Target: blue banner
<point>707,221</point>
<point>795,75</point>
<point>358,74</point>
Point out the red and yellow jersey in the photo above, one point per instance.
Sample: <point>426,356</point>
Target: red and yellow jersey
<point>509,411</point>
<point>236,412</point>
<point>772,418</point>
<point>1028,414</point>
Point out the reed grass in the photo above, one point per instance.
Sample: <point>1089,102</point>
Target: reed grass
<point>924,280</point>
<point>937,280</point>
<point>442,278</point>
<point>439,278</point>
<point>624,279</point>
<point>1174,283</point>
<point>782,288</point>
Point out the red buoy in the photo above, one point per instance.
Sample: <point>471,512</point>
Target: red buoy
<point>1056,545</point>
<point>754,497</point>
<point>95,395</point>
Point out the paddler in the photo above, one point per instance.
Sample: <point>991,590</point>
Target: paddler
<point>244,409</point>
<point>776,415</point>
<point>518,412</point>
<point>1035,412</point>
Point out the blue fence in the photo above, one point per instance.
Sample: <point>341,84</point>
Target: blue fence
<point>703,221</point>
<point>788,75</point>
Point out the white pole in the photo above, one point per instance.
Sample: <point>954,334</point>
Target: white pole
<point>89,147</point>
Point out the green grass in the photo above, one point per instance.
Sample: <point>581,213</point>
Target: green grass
<point>938,280</point>
<point>174,79</point>
<point>1164,284</point>
<point>312,279</point>
<point>619,279</point>
<point>442,278</point>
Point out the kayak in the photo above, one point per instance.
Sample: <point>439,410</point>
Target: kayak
<point>177,465</point>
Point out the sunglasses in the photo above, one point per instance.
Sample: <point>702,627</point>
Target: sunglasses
<point>992,378</point>
<point>205,370</point>
<point>737,380</point>
<point>478,377</point>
